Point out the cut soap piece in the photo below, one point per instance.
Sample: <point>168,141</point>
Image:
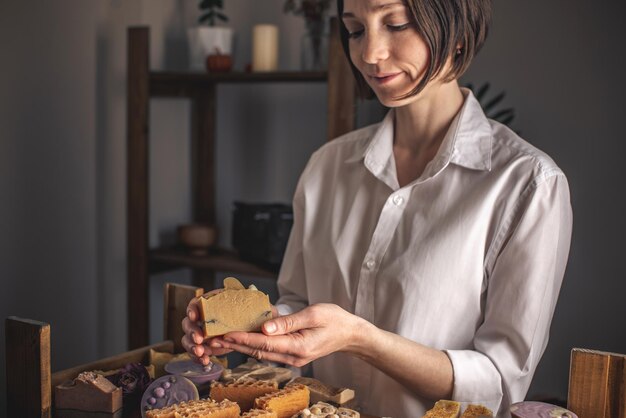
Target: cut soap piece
<point>323,393</point>
<point>444,409</point>
<point>204,408</point>
<point>286,402</point>
<point>234,309</point>
<point>89,392</point>
<point>477,411</point>
<point>242,392</point>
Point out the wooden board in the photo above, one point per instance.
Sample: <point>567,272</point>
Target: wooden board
<point>177,297</point>
<point>139,355</point>
<point>27,368</point>
<point>341,87</point>
<point>597,387</point>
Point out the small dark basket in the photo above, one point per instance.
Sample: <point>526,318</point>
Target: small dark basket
<point>261,232</point>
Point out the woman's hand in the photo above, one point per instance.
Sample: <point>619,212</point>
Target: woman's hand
<point>193,341</point>
<point>297,339</point>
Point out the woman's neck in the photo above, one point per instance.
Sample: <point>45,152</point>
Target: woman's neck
<point>419,128</point>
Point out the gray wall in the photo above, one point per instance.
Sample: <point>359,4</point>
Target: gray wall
<point>62,154</point>
<point>561,65</point>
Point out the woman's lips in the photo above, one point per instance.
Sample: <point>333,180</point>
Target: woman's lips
<point>384,78</point>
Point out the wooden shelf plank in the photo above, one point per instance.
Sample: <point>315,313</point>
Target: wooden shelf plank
<point>185,84</point>
<point>164,259</point>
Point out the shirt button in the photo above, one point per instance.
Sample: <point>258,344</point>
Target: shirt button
<point>370,264</point>
<point>398,200</point>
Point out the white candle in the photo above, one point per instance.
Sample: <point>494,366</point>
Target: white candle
<point>265,48</point>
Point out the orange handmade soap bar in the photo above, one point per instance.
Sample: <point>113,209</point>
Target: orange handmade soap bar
<point>234,309</point>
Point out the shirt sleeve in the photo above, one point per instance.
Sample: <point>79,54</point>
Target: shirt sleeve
<point>524,270</point>
<point>292,290</point>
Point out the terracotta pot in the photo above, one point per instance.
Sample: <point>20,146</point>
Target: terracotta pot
<point>205,40</point>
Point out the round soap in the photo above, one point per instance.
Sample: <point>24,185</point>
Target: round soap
<point>529,409</point>
<point>168,390</point>
<point>195,372</point>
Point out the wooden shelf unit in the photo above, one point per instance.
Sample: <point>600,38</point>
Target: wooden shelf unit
<point>200,89</point>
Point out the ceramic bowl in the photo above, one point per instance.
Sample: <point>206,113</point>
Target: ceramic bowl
<point>198,238</point>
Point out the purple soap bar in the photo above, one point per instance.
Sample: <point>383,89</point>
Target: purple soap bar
<point>531,409</point>
<point>195,372</point>
<point>166,391</point>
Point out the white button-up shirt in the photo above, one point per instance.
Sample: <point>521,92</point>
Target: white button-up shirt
<point>468,258</point>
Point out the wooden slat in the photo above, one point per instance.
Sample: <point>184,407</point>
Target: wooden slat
<point>203,151</point>
<point>177,297</point>
<point>204,121</point>
<point>139,355</point>
<point>596,384</point>
<point>622,392</point>
<point>186,84</point>
<point>138,185</point>
<point>616,403</point>
<point>341,87</point>
<point>27,368</point>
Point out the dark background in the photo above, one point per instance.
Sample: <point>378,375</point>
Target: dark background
<point>62,155</point>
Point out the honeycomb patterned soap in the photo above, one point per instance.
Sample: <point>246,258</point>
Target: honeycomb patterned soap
<point>259,413</point>
<point>477,411</point>
<point>205,408</point>
<point>444,409</point>
<point>234,309</point>
<point>285,402</point>
<point>244,392</point>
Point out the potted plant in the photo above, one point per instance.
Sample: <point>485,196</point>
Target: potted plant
<point>314,44</point>
<point>210,45</point>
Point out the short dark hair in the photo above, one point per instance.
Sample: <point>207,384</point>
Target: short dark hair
<point>444,25</point>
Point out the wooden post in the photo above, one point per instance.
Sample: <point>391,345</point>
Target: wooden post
<point>203,122</point>
<point>28,368</point>
<point>341,87</point>
<point>203,149</point>
<point>138,85</point>
<point>597,387</point>
<point>177,297</point>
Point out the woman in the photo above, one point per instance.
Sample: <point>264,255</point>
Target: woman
<point>427,251</point>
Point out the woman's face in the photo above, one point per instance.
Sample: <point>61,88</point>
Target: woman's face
<point>386,47</point>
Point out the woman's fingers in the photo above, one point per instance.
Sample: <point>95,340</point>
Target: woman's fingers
<point>290,323</point>
<point>193,330</point>
<point>199,351</point>
<point>193,310</point>
<point>288,344</point>
<point>263,355</point>
<point>191,347</point>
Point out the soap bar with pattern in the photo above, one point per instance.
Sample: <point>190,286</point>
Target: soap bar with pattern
<point>234,309</point>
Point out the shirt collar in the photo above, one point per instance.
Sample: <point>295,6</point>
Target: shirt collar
<point>468,143</point>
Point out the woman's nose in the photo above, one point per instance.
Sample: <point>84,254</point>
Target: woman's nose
<point>375,49</point>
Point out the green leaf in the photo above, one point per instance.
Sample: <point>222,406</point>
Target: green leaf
<point>208,17</point>
<point>481,91</point>
<point>205,4</point>
<point>222,16</point>
<point>490,104</point>
<point>503,114</point>
<point>508,120</point>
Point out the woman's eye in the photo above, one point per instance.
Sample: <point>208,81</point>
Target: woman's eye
<point>355,33</point>
<point>398,28</point>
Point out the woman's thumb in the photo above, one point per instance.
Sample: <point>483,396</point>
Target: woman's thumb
<point>283,324</point>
